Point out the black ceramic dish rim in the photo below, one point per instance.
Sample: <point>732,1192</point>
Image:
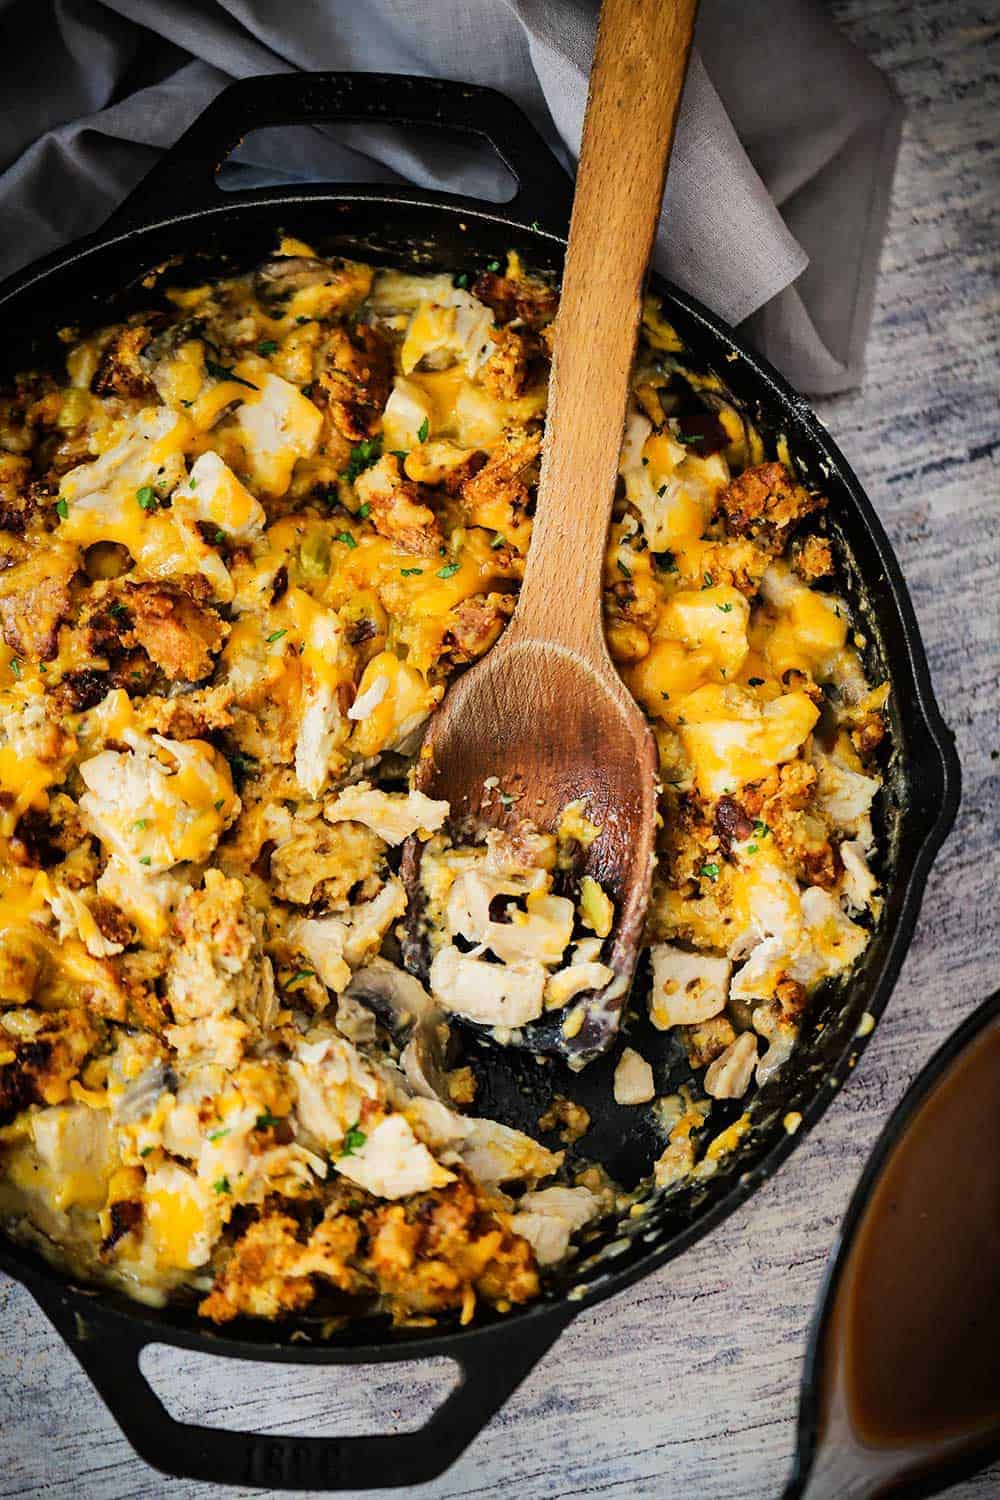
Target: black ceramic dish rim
<point>926,1081</point>
<point>540,1324</point>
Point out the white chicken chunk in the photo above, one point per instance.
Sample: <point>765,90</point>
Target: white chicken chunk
<point>728,1077</point>
<point>394,816</point>
<point>143,455</point>
<point>336,945</point>
<point>76,919</point>
<point>213,495</point>
<point>549,1218</point>
<point>844,796</point>
<point>408,413</point>
<point>540,934</point>
<point>158,803</point>
<point>392,1163</point>
<point>277,428</point>
<point>74,1146</point>
<point>322,726</point>
<point>633,1082</point>
<point>506,995</point>
<point>333,1083</point>
<point>321,941</point>
<point>858,884</point>
<point>498,1153</point>
<point>828,943</point>
<point>453,326</point>
<point>687,987</point>
<point>576,979</point>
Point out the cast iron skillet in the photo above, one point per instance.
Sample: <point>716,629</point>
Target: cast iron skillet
<point>178,211</point>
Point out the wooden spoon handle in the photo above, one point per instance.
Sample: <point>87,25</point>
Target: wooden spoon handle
<point>640,59</point>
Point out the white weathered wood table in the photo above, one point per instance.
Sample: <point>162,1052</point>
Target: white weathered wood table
<point>687,1384</point>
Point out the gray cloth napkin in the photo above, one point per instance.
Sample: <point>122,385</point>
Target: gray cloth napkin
<point>778,188</point>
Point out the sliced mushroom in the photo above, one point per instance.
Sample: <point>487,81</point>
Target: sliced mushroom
<point>142,1096</point>
<point>403,1005</point>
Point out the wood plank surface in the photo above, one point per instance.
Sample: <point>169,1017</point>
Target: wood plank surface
<point>687,1384</point>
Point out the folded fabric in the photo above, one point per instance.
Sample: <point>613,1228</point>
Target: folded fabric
<point>778,188</point>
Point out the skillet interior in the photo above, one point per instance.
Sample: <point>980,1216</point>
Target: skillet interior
<point>919,788</point>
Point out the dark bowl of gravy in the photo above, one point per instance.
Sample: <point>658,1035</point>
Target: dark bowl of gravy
<point>901,1390</point>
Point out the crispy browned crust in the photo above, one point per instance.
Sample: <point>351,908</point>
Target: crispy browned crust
<point>791,996</point>
<point>498,495</point>
<point>687,839</point>
<point>812,558</point>
<point>44,1065</point>
<point>126,1216</point>
<point>397,508</point>
<point>707,1040</point>
<point>327,862</point>
<point>35,599</point>
<point>195,715</point>
<point>17,502</point>
<point>783,801</point>
<point>357,378</point>
<point>869,732</point>
<point>177,632</point>
<point>731,822</point>
<point>432,1253</point>
<point>764,503</point>
<point>261,1278</point>
<point>570,1119</point>
<point>518,360</point>
<point>474,625</point>
<point>42,839</point>
<point>120,371</point>
<point>507,299</point>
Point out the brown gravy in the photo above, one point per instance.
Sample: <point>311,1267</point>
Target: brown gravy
<point>910,1378</point>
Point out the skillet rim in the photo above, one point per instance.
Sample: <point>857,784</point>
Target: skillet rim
<point>777,396</point>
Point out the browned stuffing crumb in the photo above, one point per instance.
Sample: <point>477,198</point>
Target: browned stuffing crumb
<point>121,371</point>
<point>426,1255</point>
<point>508,298</point>
<point>570,1119</point>
<point>174,626</point>
<point>45,1062</point>
<point>357,378</point>
<point>812,558</point>
<point>474,625</point>
<point>707,1040</point>
<point>35,599</point>
<point>764,503</point>
<point>397,509</point>
<point>498,495</point>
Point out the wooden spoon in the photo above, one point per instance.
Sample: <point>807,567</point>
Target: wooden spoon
<point>545,711</point>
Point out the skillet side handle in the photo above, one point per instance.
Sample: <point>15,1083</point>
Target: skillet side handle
<point>490,1374</point>
<point>184,179</point>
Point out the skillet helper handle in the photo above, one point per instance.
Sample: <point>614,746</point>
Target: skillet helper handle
<point>184,179</point>
<point>492,1369</point>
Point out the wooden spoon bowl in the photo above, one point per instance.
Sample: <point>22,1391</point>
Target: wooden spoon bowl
<point>538,726</point>
<point>544,720</point>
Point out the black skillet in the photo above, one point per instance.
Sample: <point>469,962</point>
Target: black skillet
<point>179,214</point>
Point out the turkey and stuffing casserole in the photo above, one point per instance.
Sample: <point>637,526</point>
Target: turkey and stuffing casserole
<point>245,539</point>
